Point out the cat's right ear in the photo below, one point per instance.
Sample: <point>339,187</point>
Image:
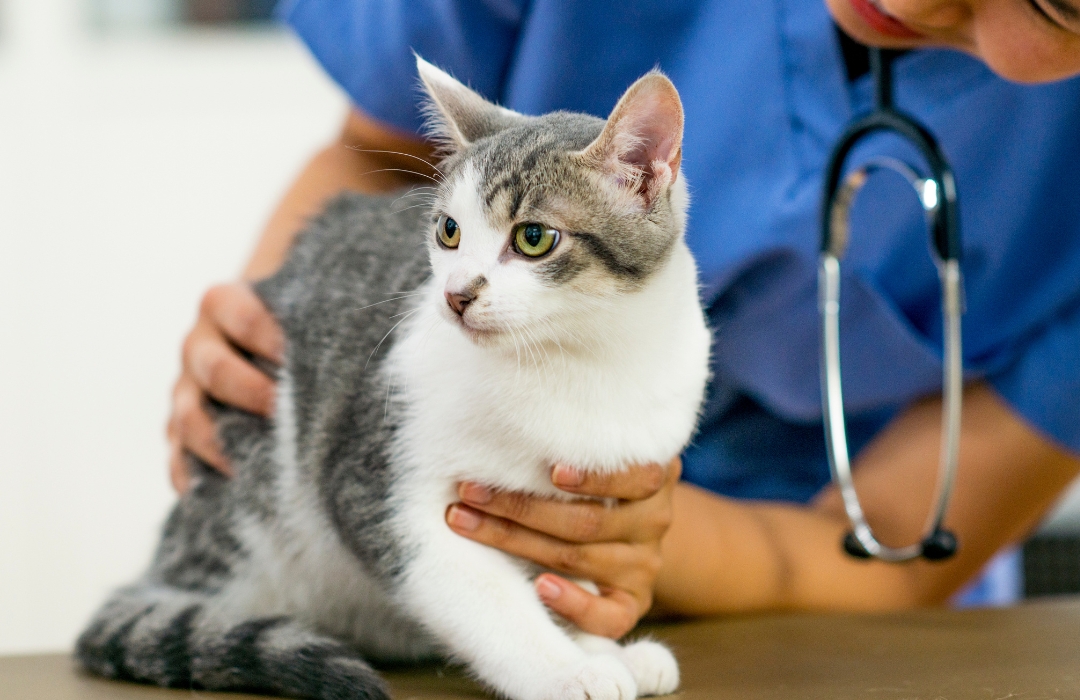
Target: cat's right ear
<point>456,115</point>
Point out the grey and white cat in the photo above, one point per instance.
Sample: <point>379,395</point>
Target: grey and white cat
<point>540,306</point>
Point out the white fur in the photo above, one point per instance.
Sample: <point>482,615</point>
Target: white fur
<point>302,569</point>
<point>502,413</point>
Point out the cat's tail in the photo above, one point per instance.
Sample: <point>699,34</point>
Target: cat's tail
<point>167,636</point>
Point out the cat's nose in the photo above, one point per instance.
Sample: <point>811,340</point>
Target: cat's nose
<point>459,300</point>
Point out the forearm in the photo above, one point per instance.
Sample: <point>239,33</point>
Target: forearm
<point>726,556</point>
<point>722,555</point>
<point>365,157</point>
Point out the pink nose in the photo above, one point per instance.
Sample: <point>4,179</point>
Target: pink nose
<point>458,301</point>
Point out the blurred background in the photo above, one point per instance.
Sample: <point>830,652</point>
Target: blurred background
<point>142,146</point>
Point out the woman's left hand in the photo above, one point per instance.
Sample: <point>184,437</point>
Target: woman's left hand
<point>616,546</point>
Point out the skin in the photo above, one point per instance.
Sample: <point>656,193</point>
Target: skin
<point>668,546</point>
<point>1028,41</point>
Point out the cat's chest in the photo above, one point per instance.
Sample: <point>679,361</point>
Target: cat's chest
<point>468,414</point>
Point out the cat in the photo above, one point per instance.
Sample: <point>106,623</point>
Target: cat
<point>538,305</point>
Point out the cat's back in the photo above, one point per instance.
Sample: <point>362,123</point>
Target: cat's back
<point>338,294</point>
<point>360,254</point>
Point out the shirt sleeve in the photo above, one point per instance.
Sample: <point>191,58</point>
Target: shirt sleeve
<point>1043,384</point>
<point>367,47</point>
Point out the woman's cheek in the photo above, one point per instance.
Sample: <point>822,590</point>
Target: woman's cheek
<point>1024,48</point>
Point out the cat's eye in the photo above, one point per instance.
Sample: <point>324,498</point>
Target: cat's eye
<point>534,240</point>
<point>448,232</point>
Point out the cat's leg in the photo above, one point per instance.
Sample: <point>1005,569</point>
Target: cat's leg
<point>175,638</point>
<point>652,664</point>
<point>481,605</point>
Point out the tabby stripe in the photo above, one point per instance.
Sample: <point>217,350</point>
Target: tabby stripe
<point>607,257</point>
<point>114,651</point>
<point>175,649</point>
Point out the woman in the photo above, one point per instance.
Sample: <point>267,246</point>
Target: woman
<point>767,87</point>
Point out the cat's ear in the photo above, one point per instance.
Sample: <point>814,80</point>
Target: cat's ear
<point>456,115</point>
<point>640,148</point>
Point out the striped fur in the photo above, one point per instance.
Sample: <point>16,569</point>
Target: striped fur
<point>329,548</point>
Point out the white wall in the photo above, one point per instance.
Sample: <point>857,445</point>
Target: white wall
<point>134,172</point>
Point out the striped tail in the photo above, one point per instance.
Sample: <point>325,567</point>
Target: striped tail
<point>163,636</point>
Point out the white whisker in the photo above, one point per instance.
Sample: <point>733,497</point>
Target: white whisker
<point>372,353</point>
<point>399,153</point>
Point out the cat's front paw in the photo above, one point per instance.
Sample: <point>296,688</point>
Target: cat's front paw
<point>653,666</point>
<point>599,677</point>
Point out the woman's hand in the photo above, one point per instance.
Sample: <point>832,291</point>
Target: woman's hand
<point>230,317</point>
<point>617,546</point>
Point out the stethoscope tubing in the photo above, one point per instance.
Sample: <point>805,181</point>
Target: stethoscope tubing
<point>937,195</point>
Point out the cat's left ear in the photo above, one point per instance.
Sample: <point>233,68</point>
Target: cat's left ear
<point>640,148</point>
<point>456,115</point>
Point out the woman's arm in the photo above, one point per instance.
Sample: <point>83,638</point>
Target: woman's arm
<point>769,556</point>
<point>365,157</point>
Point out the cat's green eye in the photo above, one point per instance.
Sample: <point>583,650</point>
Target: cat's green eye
<point>448,232</point>
<point>534,240</point>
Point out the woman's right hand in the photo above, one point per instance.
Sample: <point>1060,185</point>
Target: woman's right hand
<point>231,318</point>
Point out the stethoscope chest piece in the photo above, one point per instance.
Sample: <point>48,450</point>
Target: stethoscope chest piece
<point>937,196</point>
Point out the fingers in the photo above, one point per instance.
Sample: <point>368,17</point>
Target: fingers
<point>612,614</point>
<point>616,564</point>
<point>192,429</point>
<point>243,318</point>
<point>231,316</point>
<point>219,370</point>
<point>178,471</point>
<point>634,484</point>
<point>574,521</point>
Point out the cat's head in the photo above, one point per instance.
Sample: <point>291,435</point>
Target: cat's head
<point>539,223</point>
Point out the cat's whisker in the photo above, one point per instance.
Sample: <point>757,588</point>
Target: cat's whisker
<point>386,301</point>
<point>428,196</point>
<point>541,355</point>
<point>421,196</point>
<point>414,206</point>
<point>554,336</point>
<point>406,206</point>
<point>379,345</point>
<point>399,153</point>
<point>402,170</point>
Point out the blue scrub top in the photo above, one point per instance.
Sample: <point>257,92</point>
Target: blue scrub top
<point>766,95</point>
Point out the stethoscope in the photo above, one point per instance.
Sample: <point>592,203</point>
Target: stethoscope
<point>937,194</point>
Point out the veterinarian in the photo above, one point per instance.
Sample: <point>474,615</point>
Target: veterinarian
<point>753,523</point>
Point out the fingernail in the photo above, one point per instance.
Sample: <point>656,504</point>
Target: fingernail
<point>547,589</point>
<point>563,475</point>
<point>463,519</point>
<point>474,493</point>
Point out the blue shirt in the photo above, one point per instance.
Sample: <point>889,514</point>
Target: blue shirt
<point>766,95</point>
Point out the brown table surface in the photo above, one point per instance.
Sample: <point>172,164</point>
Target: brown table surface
<point>1031,652</point>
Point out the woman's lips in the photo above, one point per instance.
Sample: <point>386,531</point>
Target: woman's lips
<point>881,22</point>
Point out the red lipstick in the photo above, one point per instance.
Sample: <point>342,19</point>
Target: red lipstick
<point>881,22</point>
